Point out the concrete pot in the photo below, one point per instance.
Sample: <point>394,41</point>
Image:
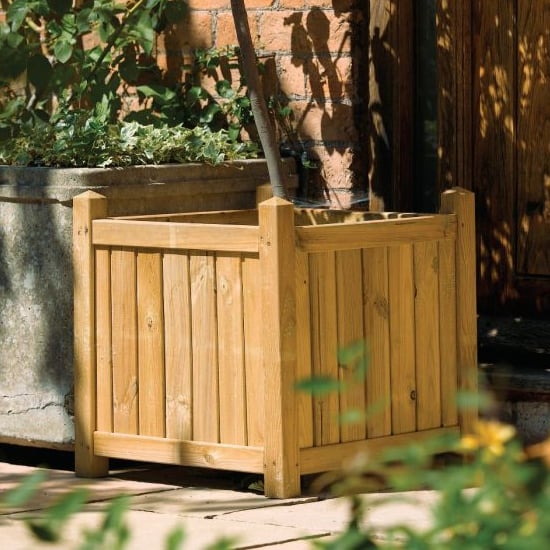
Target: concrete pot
<point>36,286</point>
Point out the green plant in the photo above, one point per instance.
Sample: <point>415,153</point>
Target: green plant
<point>70,72</point>
<point>492,491</point>
<point>56,56</point>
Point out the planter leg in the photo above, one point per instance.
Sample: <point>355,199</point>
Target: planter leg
<point>461,202</point>
<point>278,260</point>
<point>86,207</point>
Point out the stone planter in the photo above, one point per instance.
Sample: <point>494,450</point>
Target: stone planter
<point>191,331</point>
<point>36,297</point>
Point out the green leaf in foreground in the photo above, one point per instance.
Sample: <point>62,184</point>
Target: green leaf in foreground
<point>319,385</point>
<point>25,491</point>
<point>49,527</point>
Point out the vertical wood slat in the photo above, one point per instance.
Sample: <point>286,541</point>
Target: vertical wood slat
<point>426,306</point>
<point>324,344</point>
<point>86,207</point>
<point>349,285</point>
<point>533,134</point>
<point>230,350</point>
<point>402,341</point>
<point>278,257</point>
<point>303,349</point>
<point>124,341</point>
<point>103,340</point>
<point>178,345</point>
<point>253,333</point>
<point>205,348</point>
<point>494,146</point>
<point>447,328</point>
<point>377,339</point>
<point>151,381</point>
<point>461,202</point>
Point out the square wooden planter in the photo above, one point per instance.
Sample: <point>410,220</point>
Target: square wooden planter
<point>191,331</point>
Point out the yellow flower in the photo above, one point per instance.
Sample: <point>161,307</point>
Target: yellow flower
<point>489,435</point>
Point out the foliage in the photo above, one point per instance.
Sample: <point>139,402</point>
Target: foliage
<point>81,139</point>
<point>494,493</point>
<point>498,497</point>
<point>70,74</point>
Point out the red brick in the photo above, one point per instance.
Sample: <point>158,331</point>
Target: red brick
<point>338,5</point>
<point>327,122</point>
<point>259,3</point>
<point>335,170</point>
<point>329,78</point>
<point>194,31</point>
<point>315,31</point>
<point>225,29</point>
<point>208,4</point>
<point>225,4</point>
<point>292,77</point>
<point>289,4</point>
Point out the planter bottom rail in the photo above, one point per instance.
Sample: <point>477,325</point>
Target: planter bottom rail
<point>193,329</point>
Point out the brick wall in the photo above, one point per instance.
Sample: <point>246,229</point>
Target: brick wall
<point>317,57</point>
<point>318,61</point>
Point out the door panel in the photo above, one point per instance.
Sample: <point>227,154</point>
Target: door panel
<point>533,58</point>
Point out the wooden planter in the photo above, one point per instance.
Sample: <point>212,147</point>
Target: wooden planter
<point>191,331</point>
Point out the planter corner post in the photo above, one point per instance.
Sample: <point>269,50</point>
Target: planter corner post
<point>277,259</point>
<point>461,202</point>
<point>86,207</point>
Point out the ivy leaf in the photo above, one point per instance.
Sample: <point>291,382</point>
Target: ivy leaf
<point>223,87</point>
<point>209,113</point>
<point>63,51</point>
<point>17,13</point>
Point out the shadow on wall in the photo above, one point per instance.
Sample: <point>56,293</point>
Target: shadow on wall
<point>36,289</point>
<point>328,75</point>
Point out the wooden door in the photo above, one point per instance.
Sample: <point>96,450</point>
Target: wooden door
<point>494,69</point>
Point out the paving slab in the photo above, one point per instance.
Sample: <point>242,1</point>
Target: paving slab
<point>204,511</point>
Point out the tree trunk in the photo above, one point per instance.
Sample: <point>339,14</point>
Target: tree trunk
<point>257,100</point>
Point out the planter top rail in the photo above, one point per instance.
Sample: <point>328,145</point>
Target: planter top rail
<point>238,231</point>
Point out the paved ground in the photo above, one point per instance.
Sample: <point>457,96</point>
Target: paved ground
<point>207,508</point>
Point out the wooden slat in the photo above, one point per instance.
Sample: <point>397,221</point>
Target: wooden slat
<point>462,203</point>
<point>324,344</point>
<point>278,275</point>
<point>103,340</point>
<point>230,350</point>
<point>174,451</point>
<point>303,349</point>
<point>333,457</point>
<point>426,321</point>
<point>238,217</point>
<point>86,207</point>
<point>447,333</point>
<point>190,236</point>
<point>205,348</point>
<point>124,342</point>
<point>377,339</point>
<point>402,342</point>
<point>349,287</point>
<point>495,148</point>
<point>178,345</point>
<point>533,134</point>
<point>151,380</point>
<point>254,327</point>
<point>375,233</point>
